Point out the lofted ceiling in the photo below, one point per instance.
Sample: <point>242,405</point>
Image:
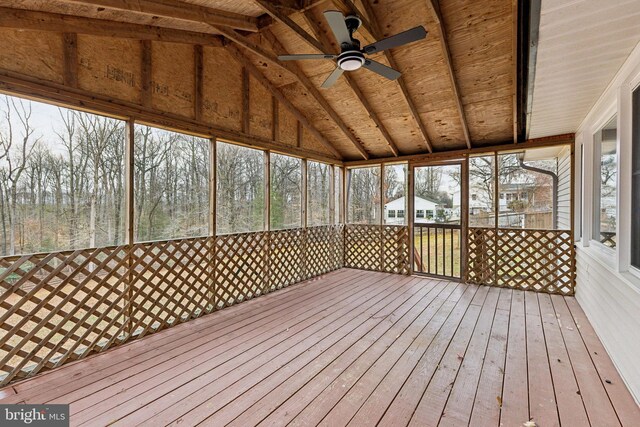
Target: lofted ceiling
<point>457,90</point>
<point>581,46</point>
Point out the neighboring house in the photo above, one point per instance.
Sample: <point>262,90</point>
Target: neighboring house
<point>424,211</point>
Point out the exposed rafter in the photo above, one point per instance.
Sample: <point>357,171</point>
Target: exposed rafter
<point>312,20</point>
<point>372,27</point>
<point>44,21</point>
<point>296,72</point>
<point>434,8</point>
<point>171,8</point>
<point>283,18</point>
<point>179,10</point>
<point>253,70</point>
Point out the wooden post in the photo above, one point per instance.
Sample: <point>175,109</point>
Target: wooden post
<point>304,198</point>
<point>381,211</point>
<point>464,218</point>
<point>410,221</point>
<point>129,219</point>
<point>496,204</point>
<point>267,221</point>
<point>303,219</point>
<point>213,182</point>
<point>332,195</point>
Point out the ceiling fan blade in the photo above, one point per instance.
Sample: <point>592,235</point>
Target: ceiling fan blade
<point>307,56</point>
<point>400,39</point>
<point>381,69</point>
<point>332,78</point>
<point>338,26</point>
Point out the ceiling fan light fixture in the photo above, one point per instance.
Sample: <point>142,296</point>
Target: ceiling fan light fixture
<point>351,60</point>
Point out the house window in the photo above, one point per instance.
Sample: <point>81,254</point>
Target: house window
<point>501,196</point>
<point>420,213</point>
<point>429,213</point>
<point>605,186</point>
<point>635,182</point>
<point>524,196</point>
<point>400,213</point>
<point>392,213</point>
<point>474,197</point>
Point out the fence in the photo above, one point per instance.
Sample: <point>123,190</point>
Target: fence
<point>528,259</point>
<point>63,306</point>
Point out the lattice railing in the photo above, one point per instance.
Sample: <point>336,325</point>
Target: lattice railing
<point>60,306</point>
<point>537,260</point>
<point>63,306</point>
<point>379,248</point>
<point>323,250</point>
<point>395,249</point>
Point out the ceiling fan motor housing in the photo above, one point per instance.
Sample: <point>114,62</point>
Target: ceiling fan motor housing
<point>351,60</point>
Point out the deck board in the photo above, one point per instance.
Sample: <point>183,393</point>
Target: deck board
<point>358,348</point>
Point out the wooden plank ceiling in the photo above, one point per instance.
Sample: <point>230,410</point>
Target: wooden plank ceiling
<point>457,88</point>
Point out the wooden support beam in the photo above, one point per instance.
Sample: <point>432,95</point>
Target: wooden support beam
<point>275,118</point>
<point>198,60</point>
<point>246,114</point>
<point>514,56</point>
<point>70,64</point>
<point>549,141</point>
<point>178,10</point>
<point>314,92</point>
<point>253,70</point>
<point>44,21</point>
<point>313,20</point>
<point>434,8</point>
<point>145,73</point>
<point>371,26</point>
<point>295,70</point>
<point>283,18</point>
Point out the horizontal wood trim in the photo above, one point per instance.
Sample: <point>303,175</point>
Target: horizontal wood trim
<point>568,138</point>
<point>43,21</point>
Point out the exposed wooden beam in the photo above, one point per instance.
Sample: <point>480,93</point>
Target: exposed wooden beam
<point>312,19</point>
<point>314,92</point>
<point>283,18</point>
<point>514,57</point>
<point>434,8</point>
<point>257,74</point>
<point>245,100</point>
<point>549,141</point>
<point>70,65</point>
<point>146,73</point>
<point>198,61</point>
<point>44,21</point>
<point>373,28</point>
<point>178,10</point>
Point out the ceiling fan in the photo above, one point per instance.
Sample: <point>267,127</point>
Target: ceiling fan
<point>352,57</point>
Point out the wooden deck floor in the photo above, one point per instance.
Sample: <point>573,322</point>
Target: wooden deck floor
<point>358,348</point>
